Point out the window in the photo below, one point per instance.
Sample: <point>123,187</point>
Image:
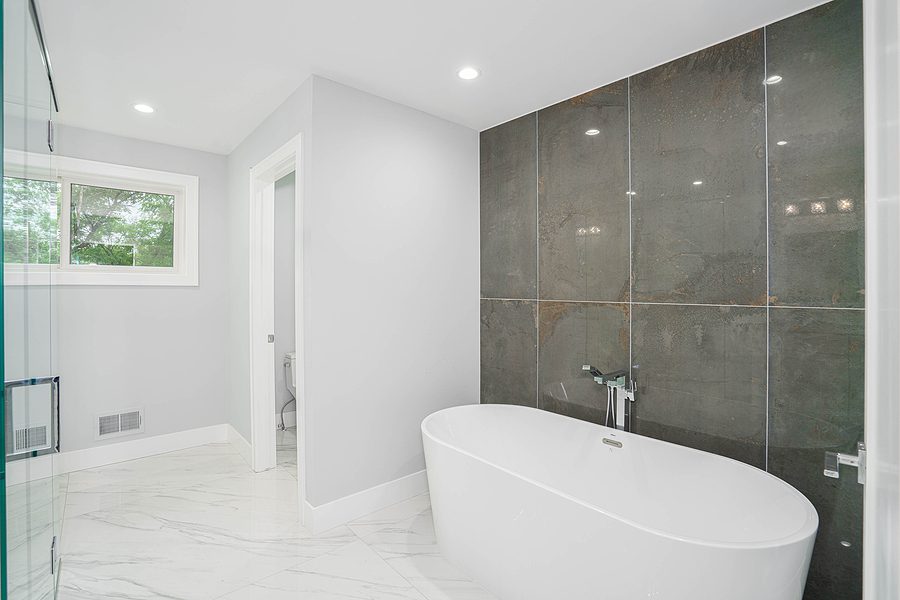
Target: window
<point>98,223</point>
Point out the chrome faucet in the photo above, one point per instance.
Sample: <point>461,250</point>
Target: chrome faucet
<point>620,392</point>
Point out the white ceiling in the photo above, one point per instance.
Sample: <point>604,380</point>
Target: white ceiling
<point>215,68</point>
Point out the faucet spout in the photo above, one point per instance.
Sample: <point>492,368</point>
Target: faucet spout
<point>620,392</point>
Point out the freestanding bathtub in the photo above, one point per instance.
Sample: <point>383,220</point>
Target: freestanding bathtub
<point>538,506</point>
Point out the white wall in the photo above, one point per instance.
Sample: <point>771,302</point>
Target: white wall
<point>391,285</point>
<point>390,241</point>
<point>285,305</point>
<point>159,348</point>
<point>289,119</point>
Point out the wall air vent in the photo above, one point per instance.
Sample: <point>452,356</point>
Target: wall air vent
<point>127,422</point>
<point>30,438</point>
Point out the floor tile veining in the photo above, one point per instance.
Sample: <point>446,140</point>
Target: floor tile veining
<point>198,524</point>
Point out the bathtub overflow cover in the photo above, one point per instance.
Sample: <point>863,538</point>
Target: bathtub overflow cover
<point>610,442</point>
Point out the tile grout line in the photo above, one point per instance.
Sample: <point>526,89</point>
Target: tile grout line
<point>619,302</point>
<point>768,261</point>
<point>630,240</point>
<point>537,262</point>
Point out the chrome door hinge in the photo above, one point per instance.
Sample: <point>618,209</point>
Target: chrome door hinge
<point>53,556</point>
<point>834,460</point>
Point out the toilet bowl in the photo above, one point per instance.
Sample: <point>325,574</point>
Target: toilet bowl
<point>290,362</point>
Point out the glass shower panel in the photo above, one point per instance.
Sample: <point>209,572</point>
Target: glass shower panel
<point>30,249</point>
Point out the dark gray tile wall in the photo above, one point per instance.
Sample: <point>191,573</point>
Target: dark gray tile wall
<point>509,352</point>
<point>702,377</point>
<point>582,200</point>
<point>573,334</point>
<point>737,302</point>
<point>509,210</point>
<point>698,168</point>
<point>816,178</point>
<point>816,385</point>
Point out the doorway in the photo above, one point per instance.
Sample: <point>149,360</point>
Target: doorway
<point>275,185</point>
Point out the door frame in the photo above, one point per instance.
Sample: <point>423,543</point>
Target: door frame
<point>263,176</point>
<point>881,515</point>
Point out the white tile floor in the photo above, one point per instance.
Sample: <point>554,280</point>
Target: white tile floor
<point>198,524</point>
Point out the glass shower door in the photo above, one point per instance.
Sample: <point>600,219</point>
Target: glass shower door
<point>30,250</point>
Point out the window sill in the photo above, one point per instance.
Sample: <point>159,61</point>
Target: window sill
<point>47,275</point>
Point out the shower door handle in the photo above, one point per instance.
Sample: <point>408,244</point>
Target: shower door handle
<point>834,460</point>
<point>19,443</point>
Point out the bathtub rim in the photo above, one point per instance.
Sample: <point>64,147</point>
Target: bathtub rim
<point>809,529</point>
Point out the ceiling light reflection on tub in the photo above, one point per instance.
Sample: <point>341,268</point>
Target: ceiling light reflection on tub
<point>698,182</point>
<point>773,79</point>
<point>781,142</point>
<point>143,108</point>
<point>791,210</point>
<point>845,205</point>
<point>592,132</point>
<point>468,73</point>
<point>818,208</point>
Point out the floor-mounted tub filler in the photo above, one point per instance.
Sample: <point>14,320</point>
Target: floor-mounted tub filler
<point>535,505</point>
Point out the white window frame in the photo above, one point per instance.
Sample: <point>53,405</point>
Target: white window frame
<point>66,171</point>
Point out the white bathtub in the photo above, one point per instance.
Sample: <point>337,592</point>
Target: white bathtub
<point>537,506</point>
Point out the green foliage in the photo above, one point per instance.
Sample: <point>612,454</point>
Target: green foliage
<point>108,226</point>
<point>30,221</point>
<point>122,227</point>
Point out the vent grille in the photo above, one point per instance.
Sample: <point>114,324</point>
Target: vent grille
<point>124,423</point>
<point>31,438</point>
<point>109,424</point>
<point>130,421</point>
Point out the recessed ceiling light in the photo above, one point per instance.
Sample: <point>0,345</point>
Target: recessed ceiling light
<point>143,108</point>
<point>781,142</point>
<point>592,132</point>
<point>468,73</point>
<point>772,79</point>
<point>698,182</point>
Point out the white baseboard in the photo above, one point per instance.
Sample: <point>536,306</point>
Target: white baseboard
<point>21,471</point>
<point>290,419</point>
<point>240,444</point>
<point>343,510</point>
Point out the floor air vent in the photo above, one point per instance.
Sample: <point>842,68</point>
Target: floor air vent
<point>117,424</point>
<point>30,438</point>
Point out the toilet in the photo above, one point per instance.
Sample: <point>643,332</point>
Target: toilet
<point>290,362</point>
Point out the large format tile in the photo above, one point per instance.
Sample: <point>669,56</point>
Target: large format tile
<point>582,201</point>
<point>391,515</point>
<point>355,571</point>
<point>700,118</point>
<point>576,334</point>
<point>190,524</point>
<point>701,375</point>
<point>410,547</point>
<point>816,385</point>
<point>816,179</point>
<point>509,210</point>
<point>509,352</point>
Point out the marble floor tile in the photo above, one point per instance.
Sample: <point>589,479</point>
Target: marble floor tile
<point>410,547</point>
<point>286,449</point>
<point>354,571</point>
<point>391,515</point>
<point>200,525</point>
